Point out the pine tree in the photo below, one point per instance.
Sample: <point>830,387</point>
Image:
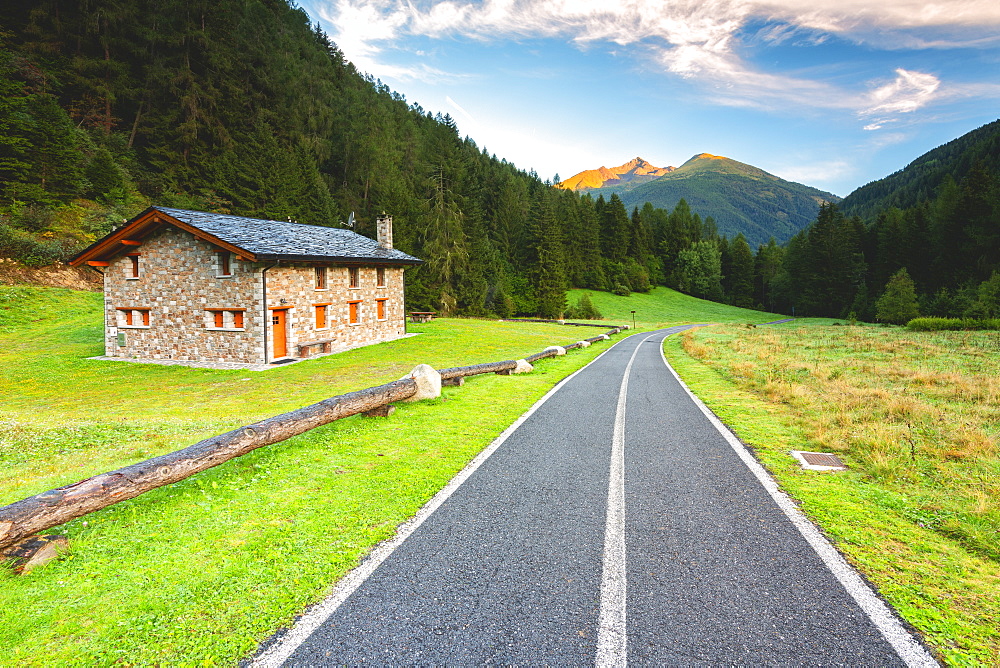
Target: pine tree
<point>742,271</point>
<point>898,304</point>
<point>549,274</point>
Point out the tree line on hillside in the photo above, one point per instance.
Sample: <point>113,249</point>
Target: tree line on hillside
<point>941,255</point>
<point>244,107</point>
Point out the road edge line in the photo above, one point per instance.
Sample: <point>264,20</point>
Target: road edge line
<point>314,617</point>
<point>878,611</point>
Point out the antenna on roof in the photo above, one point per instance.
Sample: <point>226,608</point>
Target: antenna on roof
<point>350,220</point>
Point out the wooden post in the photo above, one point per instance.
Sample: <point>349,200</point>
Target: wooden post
<point>34,551</point>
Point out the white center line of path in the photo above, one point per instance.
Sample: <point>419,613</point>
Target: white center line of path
<point>611,640</point>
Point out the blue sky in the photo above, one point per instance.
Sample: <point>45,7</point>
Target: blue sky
<point>831,93</point>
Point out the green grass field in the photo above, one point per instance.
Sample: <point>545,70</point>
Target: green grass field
<point>915,416</point>
<point>663,307</point>
<point>201,571</point>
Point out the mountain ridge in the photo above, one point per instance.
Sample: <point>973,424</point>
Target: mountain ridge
<point>919,180</point>
<point>741,198</point>
<point>636,170</point>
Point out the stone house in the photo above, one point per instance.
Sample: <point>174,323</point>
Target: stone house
<point>206,287</point>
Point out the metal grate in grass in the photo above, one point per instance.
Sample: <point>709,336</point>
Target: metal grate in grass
<point>819,461</point>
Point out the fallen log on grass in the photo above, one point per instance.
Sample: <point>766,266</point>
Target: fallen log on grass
<point>22,519</point>
<point>475,369</point>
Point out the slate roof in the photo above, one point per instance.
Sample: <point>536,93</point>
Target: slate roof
<point>260,240</point>
<point>275,239</point>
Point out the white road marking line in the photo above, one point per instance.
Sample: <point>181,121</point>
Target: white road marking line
<point>612,644</point>
<point>909,650</point>
<point>275,655</point>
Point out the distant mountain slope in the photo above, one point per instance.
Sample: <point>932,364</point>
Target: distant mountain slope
<point>740,197</point>
<point>636,170</point>
<point>918,181</point>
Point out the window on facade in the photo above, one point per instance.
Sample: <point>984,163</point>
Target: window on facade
<point>133,317</point>
<point>354,276</point>
<point>354,312</point>
<point>225,263</point>
<point>322,315</point>
<point>380,277</point>
<point>218,318</point>
<point>134,258</point>
<point>321,278</point>
<point>380,309</point>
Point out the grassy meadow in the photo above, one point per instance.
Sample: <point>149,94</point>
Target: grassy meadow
<point>916,416</point>
<point>663,307</point>
<point>201,571</point>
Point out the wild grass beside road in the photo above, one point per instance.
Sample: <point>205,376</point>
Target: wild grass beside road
<point>200,571</point>
<point>916,416</point>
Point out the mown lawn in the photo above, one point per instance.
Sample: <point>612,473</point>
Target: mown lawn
<point>916,416</point>
<point>663,307</point>
<point>201,571</point>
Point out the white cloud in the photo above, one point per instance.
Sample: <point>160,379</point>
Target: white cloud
<point>909,92</point>
<point>823,172</point>
<point>700,40</point>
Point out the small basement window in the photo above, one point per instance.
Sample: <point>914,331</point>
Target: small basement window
<point>137,318</point>
<point>321,278</point>
<point>225,318</point>
<point>354,277</point>
<point>354,312</point>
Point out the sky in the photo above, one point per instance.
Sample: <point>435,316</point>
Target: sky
<point>830,93</point>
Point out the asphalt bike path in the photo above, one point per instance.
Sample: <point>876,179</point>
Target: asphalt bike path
<point>615,524</point>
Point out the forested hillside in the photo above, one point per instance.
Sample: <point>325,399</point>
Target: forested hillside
<point>918,182</point>
<point>932,229</point>
<point>243,106</point>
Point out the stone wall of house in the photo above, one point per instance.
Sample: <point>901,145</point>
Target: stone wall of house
<point>181,287</point>
<point>296,284</point>
<point>179,281</point>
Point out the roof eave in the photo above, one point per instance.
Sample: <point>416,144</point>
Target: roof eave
<point>151,218</point>
<point>345,259</point>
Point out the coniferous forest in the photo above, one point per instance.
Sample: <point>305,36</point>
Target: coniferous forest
<point>244,107</point>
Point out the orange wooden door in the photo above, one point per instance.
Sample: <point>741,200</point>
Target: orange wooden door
<point>279,332</point>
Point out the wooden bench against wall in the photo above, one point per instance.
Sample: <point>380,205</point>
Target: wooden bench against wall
<point>304,349</point>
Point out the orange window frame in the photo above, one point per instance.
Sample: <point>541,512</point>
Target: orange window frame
<point>380,309</point>
<point>322,315</point>
<point>219,317</point>
<point>354,312</point>
<point>134,258</point>
<point>225,263</point>
<point>130,316</point>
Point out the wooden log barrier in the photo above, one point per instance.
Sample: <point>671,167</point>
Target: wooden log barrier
<point>475,369</point>
<point>542,355</point>
<point>22,519</point>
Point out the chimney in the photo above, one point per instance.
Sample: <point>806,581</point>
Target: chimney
<point>384,230</point>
